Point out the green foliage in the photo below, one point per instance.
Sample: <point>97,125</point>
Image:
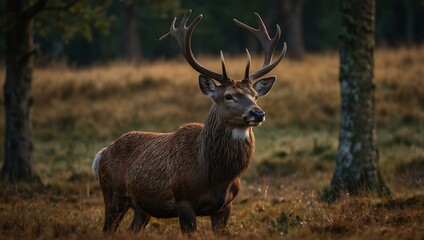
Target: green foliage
<point>69,19</point>
<point>63,20</point>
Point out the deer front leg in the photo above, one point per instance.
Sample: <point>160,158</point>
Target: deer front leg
<point>219,220</point>
<point>187,217</point>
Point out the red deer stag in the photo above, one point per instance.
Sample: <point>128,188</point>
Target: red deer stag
<point>196,170</point>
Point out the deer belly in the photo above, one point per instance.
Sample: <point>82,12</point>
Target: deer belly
<point>164,209</point>
<point>160,204</point>
<point>155,201</point>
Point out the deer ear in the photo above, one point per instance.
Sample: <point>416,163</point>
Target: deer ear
<point>207,85</point>
<point>263,86</point>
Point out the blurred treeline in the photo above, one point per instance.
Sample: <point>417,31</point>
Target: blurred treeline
<point>308,26</point>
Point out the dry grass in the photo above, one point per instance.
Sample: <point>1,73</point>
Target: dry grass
<point>79,111</point>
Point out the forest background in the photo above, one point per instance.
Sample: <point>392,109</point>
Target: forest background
<point>134,27</point>
<point>99,77</point>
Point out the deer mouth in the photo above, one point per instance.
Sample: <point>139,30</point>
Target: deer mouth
<point>254,122</point>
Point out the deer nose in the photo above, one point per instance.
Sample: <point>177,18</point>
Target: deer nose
<point>259,115</point>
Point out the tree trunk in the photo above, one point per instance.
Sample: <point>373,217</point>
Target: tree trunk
<point>292,14</point>
<point>130,33</point>
<point>18,161</point>
<point>357,162</point>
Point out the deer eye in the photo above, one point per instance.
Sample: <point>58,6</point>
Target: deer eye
<point>228,97</point>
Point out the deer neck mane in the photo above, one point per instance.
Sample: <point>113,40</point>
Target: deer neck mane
<point>225,152</point>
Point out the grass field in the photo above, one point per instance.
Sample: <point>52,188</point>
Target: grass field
<point>79,111</point>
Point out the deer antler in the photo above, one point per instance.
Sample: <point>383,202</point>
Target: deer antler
<point>267,43</point>
<point>183,36</point>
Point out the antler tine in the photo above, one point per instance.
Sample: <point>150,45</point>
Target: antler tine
<point>267,43</point>
<point>183,36</point>
<point>171,29</point>
<point>266,69</point>
<point>246,72</point>
<point>224,71</point>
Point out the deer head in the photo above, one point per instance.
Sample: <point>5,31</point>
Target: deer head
<point>235,100</point>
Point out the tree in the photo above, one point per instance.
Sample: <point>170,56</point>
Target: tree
<point>292,12</point>
<point>139,18</point>
<point>130,32</point>
<point>18,26</point>
<point>357,161</point>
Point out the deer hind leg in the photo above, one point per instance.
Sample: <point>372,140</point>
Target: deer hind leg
<point>187,218</point>
<point>219,220</point>
<point>140,220</point>
<point>115,210</point>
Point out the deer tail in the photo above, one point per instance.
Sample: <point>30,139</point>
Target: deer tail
<point>95,165</point>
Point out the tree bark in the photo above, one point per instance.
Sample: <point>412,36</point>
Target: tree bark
<point>18,161</point>
<point>357,162</point>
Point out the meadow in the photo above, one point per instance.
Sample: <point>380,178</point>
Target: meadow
<point>78,111</point>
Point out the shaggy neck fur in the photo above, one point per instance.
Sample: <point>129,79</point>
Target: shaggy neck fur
<point>225,152</point>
